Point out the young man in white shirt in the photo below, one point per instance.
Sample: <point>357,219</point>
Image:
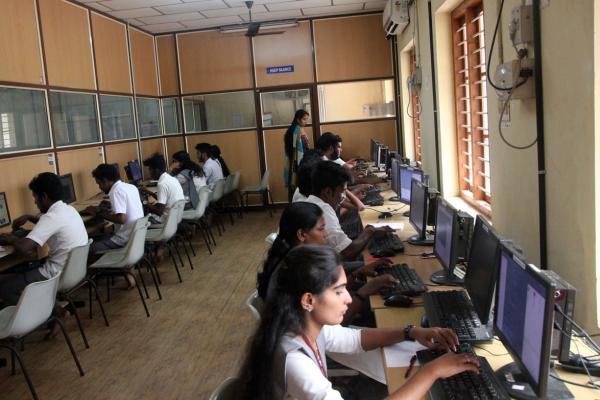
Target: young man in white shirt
<point>329,182</point>
<point>59,225</point>
<point>124,209</point>
<point>330,145</point>
<point>169,190</point>
<point>212,169</point>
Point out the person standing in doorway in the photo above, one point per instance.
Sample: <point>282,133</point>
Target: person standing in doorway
<point>295,144</point>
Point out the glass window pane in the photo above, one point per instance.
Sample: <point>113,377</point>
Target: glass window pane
<point>74,118</point>
<point>278,108</point>
<point>148,116</point>
<point>222,111</point>
<point>356,100</point>
<point>23,120</point>
<point>171,115</point>
<point>117,117</point>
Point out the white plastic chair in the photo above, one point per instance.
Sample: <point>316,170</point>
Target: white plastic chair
<point>165,233</point>
<point>271,237</point>
<point>262,189</point>
<point>73,277</point>
<point>227,390</point>
<point>196,216</point>
<point>256,305</point>
<point>32,311</point>
<point>215,202</point>
<point>119,261</point>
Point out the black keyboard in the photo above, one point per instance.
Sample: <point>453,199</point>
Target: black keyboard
<point>453,309</point>
<point>385,245</point>
<point>373,198</point>
<point>410,283</point>
<point>351,224</point>
<point>466,385</point>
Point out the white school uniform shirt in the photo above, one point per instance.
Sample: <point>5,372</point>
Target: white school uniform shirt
<point>336,237</point>
<point>298,196</point>
<point>125,199</point>
<point>212,170</point>
<point>303,377</point>
<point>169,191</point>
<point>339,161</point>
<point>62,228</point>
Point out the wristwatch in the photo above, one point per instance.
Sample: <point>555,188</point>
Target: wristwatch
<point>407,333</point>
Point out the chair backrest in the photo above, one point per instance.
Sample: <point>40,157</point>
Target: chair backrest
<point>271,237</point>
<point>169,227</point>
<point>256,304</point>
<point>218,190</point>
<point>229,184</point>
<point>76,267</point>
<point>203,199</point>
<point>227,390</point>
<point>264,182</point>
<point>34,307</point>
<point>236,180</point>
<point>134,250</point>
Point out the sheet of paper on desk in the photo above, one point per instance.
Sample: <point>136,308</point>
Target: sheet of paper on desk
<point>394,225</point>
<point>399,354</point>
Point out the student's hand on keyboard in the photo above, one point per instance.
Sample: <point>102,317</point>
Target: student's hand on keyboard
<point>19,222</point>
<point>373,285</point>
<point>436,338</point>
<point>371,269</point>
<point>451,364</point>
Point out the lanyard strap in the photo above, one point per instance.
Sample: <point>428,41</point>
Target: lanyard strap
<point>317,354</point>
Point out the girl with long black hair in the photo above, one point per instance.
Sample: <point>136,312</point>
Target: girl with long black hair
<point>295,143</point>
<point>286,357</point>
<point>190,175</point>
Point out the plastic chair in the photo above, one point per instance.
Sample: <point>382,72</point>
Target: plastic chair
<point>271,237</point>
<point>165,234</point>
<point>32,311</point>
<point>215,202</point>
<point>196,217</point>
<point>73,277</point>
<point>256,304</point>
<point>227,390</point>
<point>120,261</point>
<point>262,189</point>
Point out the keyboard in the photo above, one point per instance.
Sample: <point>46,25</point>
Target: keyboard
<point>466,385</point>
<point>410,283</point>
<point>385,245</point>
<point>453,309</point>
<point>373,198</point>
<point>352,224</point>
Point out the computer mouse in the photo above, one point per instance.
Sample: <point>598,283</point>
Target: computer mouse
<point>385,215</point>
<point>398,300</point>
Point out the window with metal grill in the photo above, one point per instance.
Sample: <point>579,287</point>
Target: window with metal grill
<point>470,79</point>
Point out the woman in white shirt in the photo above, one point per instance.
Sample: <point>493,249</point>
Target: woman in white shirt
<point>189,174</point>
<point>286,358</point>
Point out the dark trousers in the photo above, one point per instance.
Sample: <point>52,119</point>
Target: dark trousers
<point>13,285</point>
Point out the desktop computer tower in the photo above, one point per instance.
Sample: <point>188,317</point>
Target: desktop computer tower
<point>432,206</point>
<point>465,230</point>
<point>564,297</point>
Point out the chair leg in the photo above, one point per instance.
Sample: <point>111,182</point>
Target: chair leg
<point>270,202</point>
<point>154,262</point>
<point>176,247</point>
<point>92,284</point>
<point>187,254</point>
<point>62,328</point>
<point>151,268</point>
<point>140,293</point>
<point>77,319</point>
<point>15,354</point>
<point>142,279</point>
<point>174,262</point>
<point>189,239</point>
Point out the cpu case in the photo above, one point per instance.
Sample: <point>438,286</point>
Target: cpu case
<point>465,230</point>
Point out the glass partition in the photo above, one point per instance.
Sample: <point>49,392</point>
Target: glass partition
<point>220,111</point>
<point>148,113</point>
<point>117,117</point>
<point>171,115</point>
<point>278,108</point>
<point>74,118</point>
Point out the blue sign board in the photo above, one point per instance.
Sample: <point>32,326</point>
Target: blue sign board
<point>280,70</point>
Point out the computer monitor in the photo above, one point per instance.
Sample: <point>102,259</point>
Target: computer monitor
<point>407,174</point>
<point>523,321</point>
<point>395,179</point>
<point>445,243</point>
<point>382,156</point>
<point>374,151</point>
<point>68,190</point>
<point>134,171</point>
<point>4,214</point>
<point>418,214</point>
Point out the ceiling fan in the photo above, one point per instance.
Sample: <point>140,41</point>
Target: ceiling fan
<point>254,27</point>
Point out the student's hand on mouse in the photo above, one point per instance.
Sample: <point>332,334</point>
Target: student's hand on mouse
<point>373,285</point>
<point>436,338</point>
<point>19,222</point>
<point>451,364</point>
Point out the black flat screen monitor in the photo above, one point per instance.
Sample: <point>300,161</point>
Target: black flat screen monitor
<point>480,278</point>
<point>445,243</point>
<point>382,156</point>
<point>407,174</point>
<point>395,175</point>
<point>135,171</point>
<point>68,190</point>
<point>418,214</point>
<point>4,215</point>
<point>523,319</point>
<point>374,150</point>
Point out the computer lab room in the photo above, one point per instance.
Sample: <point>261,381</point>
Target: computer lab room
<point>299,199</point>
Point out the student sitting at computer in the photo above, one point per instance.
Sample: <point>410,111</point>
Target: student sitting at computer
<point>168,189</point>
<point>330,146</point>
<point>125,208</point>
<point>211,168</point>
<point>190,175</point>
<point>59,225</point>
<point>329,183</point>
<point>216,155</point>
<point>286,357</point>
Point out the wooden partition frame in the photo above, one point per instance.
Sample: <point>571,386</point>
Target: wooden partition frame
<point>121,153</point>
<point>149,147</point>
<point>356,136</point>
<point>167,65</point>
<point>112,56</point>
<point>81,163</point>
<point>143,61</point>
